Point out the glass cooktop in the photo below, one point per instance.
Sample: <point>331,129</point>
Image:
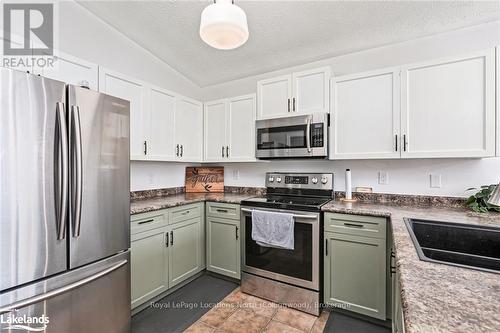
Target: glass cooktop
<point>288,202</point>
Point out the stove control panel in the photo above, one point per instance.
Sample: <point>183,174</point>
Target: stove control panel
<point>320,181</point>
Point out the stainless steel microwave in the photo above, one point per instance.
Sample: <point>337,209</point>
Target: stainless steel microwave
<point>293,137</point>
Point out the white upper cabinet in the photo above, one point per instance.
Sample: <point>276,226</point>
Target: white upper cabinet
<point>160,126</point>
<point>274,96</point>
<point>365,116</point>
<point>189,129</point>
<point>448,107</point>
<point>73,70</point>
<point>297,93</point>
<point>241,128</point>
<point>310,91</point>
<point>215,130</point>
<point>230,129</point>
<point>121,86</point>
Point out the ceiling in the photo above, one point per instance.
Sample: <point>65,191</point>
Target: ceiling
<point>282,33</point>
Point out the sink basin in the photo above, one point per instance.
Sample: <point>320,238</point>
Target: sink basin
<point>464,245</point>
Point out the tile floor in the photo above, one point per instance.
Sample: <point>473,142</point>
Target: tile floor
<point>239,312</point>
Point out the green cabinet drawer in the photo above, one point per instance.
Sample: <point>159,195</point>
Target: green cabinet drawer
<point>184,213</point>
<point>359,225</point>
<point>148,221</point>
<point>223,210</point>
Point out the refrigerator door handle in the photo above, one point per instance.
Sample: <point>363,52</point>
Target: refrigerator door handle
<point>63,171</point>
<point>76,169</point>
<point>56,292</point>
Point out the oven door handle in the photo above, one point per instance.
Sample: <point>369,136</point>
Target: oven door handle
<point>297,216</point>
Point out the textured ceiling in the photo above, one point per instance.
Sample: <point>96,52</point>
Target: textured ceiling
<point>282,33</point>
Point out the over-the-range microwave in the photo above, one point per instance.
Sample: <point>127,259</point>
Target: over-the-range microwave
<point>293,137</point>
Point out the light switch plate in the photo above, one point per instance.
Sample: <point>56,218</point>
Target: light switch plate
<point>383,178</point>
<point>435,180</point>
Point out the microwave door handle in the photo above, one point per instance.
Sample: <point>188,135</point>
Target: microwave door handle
<point>308,134</point>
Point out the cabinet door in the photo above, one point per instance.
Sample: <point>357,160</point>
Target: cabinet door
<point>311,91</point>
<point>160,126</point>
<point>355,273</point>
<point>365,120</point>
<point>448,107</point>
<point>274,97</point>
<point>241,128</point>
<point>223,247</point>
<point>189,129</point>
<point>73,70</point>
<point>118,85</point>
<point>215,130</point>
<point>184,251</point>
<point>149,265</point>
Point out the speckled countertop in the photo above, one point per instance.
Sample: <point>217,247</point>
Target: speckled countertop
<point>437,297</point>
<point>150,204</point>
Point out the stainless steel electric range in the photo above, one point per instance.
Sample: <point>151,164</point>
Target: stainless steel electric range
<point>290,277</point>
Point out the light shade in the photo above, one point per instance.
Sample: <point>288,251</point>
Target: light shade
<point>494,198</point>
<point>224,25</point>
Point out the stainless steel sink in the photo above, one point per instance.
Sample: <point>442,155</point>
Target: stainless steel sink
<point>457,244</point>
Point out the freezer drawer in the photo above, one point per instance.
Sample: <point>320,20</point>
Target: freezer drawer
<point>95,298</point>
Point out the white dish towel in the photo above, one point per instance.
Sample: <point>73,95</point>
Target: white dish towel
<point>272,229</point>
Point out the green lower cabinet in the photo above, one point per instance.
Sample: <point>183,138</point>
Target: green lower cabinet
<point>223,246</point>
<point>149,265</point>
<point>184,251</point>
<point>355,273</point>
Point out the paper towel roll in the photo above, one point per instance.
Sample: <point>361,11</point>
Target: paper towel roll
<point>348,187</point>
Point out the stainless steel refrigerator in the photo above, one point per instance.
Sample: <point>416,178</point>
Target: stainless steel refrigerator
<point>64,207</point>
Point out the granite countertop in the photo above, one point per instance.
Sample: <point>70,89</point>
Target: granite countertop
<point>151,204</point>
<point>437,297</point>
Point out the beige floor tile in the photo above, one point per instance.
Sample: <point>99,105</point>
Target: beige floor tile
<point>277,327</point>
<point>217,315</point>
<point>244,321</point>
<point>259,306</point>
<point>236,297</point>
<point>320,323</point>
<point>295,318</point>
<point>199,327</point>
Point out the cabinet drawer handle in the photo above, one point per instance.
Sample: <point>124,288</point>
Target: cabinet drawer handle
<point>166,239</point>
<point>145,147</point>
<point>404,142</point>
<point>227,151</point>
<point>237,236</point>
<point>221,210</point>
<point>396,146</point>
<point>172,237</point>
<point>182,150</point>
<point>177,150</point>
<point>293,104</point>
<point>326,247</point>
<point>353,225</point>
<point>223,153</point>
<point>289,105</point>
<point>186,212</point>
<point>146,221</point>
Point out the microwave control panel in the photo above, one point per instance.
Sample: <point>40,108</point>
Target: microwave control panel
<point>317,135</point>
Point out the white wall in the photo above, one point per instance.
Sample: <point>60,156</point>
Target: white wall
<point>405,176</point>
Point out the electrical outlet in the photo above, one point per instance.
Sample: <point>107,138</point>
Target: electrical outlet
<point>435,180</point>
<point>236,174</point>
<point>383,177</point>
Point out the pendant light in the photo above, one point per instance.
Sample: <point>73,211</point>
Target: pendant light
<point>224,25</point>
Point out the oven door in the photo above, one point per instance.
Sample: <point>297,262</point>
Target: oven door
<point>299,266</point>
<point>298,136</point>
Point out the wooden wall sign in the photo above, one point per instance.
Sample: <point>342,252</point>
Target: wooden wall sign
<point>204,179</point>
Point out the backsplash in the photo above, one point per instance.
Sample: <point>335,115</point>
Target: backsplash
<point>162,192</point>
<point>406,199</point>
